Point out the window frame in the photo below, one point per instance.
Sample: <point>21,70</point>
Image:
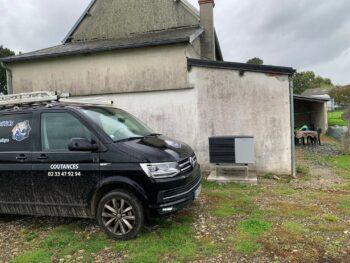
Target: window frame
<point>33,131</point>
<point>72,113</point>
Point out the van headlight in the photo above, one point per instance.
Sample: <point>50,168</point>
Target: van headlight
<point>161,170</point>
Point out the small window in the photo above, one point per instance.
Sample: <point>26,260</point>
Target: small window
<point>16,134</point>
<point>57,130</point>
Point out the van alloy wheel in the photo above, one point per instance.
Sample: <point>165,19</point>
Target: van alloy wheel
<point>121,214</point>
<point>118,216</point>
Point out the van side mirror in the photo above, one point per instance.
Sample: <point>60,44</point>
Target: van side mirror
<point>82,145</point>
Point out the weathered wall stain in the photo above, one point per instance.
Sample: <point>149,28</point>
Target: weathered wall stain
<point>255,104</point>
<point>221,103</point>
<point>114,19</point>
<point>148,69</point>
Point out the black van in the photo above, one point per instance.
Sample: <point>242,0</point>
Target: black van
<point>98,162</point>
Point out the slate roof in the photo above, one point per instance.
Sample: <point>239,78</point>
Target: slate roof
<point>166,37</point>
<point>310,98</point>
<point>316,91</point>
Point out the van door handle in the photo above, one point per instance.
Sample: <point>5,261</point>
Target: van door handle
<point>21,157</point>
<point>43,157</point>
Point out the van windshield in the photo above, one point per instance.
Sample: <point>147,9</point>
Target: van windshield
<point>118,124</point>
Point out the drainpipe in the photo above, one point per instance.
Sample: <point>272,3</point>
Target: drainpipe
<point>292,125</point>
<point>9,78</point>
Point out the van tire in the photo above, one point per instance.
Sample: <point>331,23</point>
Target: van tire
<point>121,215</point>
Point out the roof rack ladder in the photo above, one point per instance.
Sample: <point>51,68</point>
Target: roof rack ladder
<point>28,98</point>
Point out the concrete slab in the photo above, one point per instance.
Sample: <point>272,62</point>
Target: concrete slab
<point>233,174</point>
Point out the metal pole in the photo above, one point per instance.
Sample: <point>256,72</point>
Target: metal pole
<point>292,125</point>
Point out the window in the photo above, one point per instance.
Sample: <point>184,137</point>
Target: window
<point>57,130</point>
<point>16,134</point>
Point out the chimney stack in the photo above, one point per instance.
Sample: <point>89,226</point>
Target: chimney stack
<point>207,23</point>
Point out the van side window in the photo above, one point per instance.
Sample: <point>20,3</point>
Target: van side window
<point>16,134</point>
<point>57,129</point>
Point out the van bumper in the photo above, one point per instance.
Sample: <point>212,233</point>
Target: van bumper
<point>175,199</point>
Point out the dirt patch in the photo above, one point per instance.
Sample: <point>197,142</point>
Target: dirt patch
<point>319,175</point>
<point>19,234</point>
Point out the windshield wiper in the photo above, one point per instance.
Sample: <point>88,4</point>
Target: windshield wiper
<point>130,139</point>
<point>138,137</point>
<point>153,134</point>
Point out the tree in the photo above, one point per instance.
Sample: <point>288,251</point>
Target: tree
<point>308,80</point>
<point>255,61</point>
<point>4,52</point>
<point>341,95</point>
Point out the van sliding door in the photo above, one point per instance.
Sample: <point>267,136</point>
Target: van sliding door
<point>63,180</point>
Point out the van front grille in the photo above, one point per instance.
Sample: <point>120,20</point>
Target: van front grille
<point>188,164</point>
<point>178,192</point>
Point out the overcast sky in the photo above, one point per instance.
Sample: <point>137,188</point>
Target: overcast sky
<point>304,34</point>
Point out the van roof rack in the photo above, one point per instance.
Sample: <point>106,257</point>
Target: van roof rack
<point>47,97</point>
<point>95,102</point>
<point>28,98</point>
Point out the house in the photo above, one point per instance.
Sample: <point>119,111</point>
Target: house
<point>309,110</point>
<point>161,60</point>
<point>322,93</point>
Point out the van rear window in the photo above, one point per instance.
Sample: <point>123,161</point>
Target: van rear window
<point>16,133</point>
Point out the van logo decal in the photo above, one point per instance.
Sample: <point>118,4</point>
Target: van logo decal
<point>4,140</point>
<point>6,123</point>
<point>192,162</point>
<point>173,144</point>
<point>21,131</point>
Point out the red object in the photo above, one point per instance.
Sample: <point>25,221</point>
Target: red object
<point>306,134</point>
<point>201,2</point>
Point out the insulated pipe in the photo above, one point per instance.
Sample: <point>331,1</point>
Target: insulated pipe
<point>9,78</point>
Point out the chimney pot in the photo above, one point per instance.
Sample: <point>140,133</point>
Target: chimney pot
<point>206,2</point>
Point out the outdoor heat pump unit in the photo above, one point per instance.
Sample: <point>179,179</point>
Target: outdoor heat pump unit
<point>236,150</point>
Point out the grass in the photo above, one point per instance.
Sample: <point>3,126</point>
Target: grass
<point>286,190</point>
<point>225,209</point>
<point>29,235</point>
<point>65,240</point>
<point>341,162</point>
<point>297,209</point>
<point>336,118</point>
<point>303,172</point>
<point>41,256</point>
<point>173,238</point>
<point>249,232</point>
<point>344,206</point>
<point>302,169</point>
<point>294,228</point>
<point>274,220</point>
<point>268,176</point>
<point>331,218</point>
<point>231,199</point>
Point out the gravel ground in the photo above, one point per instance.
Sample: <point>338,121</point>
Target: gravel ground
<point>321,176</point>
<point>20,234</point>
